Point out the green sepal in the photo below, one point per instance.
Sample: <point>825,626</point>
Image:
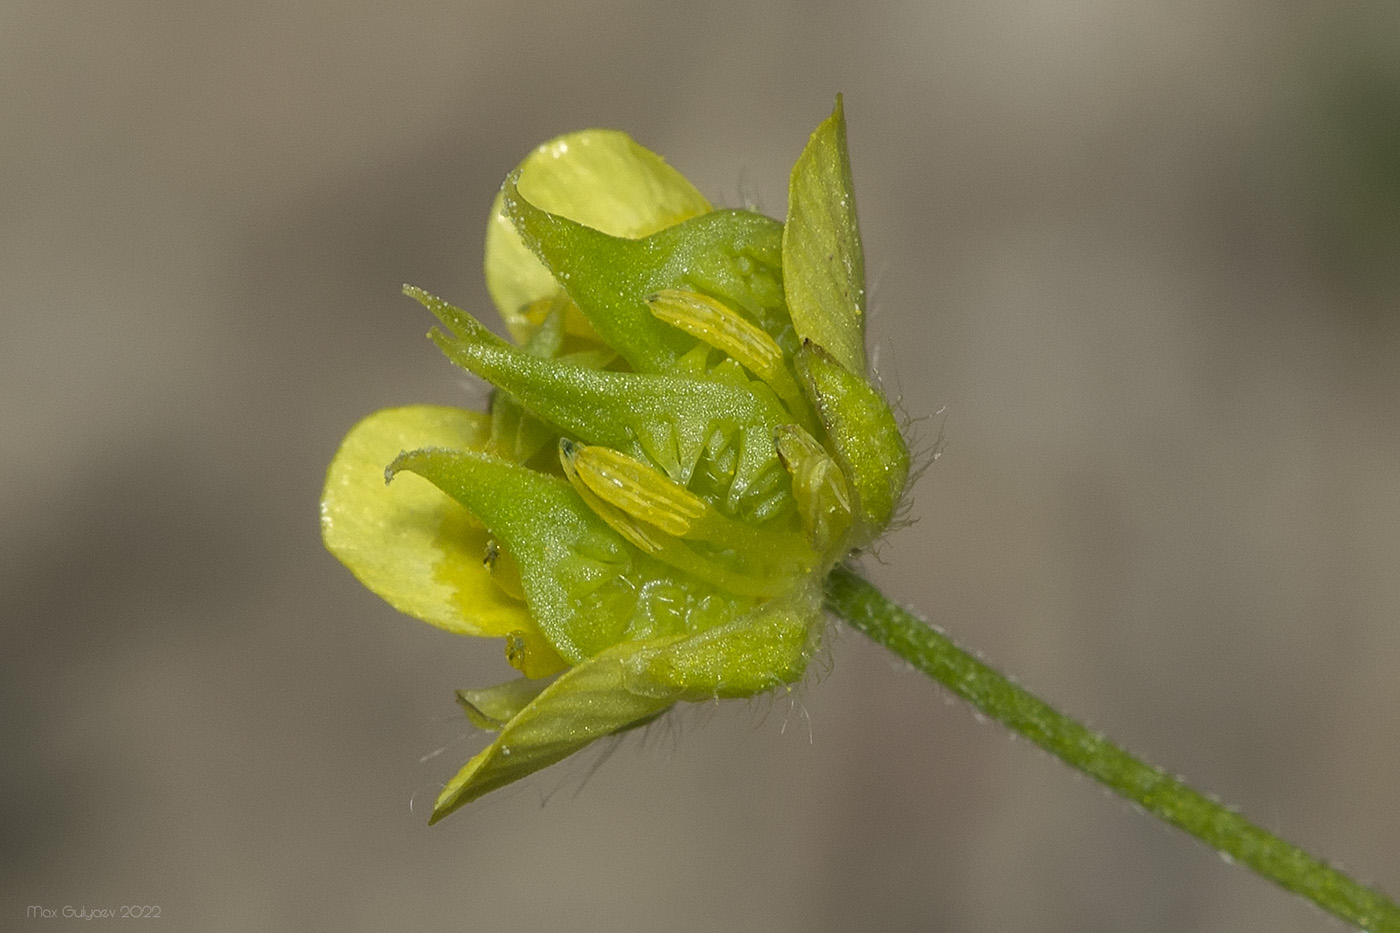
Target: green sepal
<point>560,546</point>
<point>767,648</point>
<point>823,260</point>
<point>587,587</point>
<point>865,438</point>
<point>673,421</point>
<point>584,704</point>
<point>631,684</point>
<point>733,255</point>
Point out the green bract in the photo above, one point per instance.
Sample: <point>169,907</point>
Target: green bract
<point>681,445</point>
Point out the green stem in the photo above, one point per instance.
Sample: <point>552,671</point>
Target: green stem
<point>866,609</point>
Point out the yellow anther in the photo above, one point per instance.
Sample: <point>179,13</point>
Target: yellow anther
<point>725,329</point>
<point>630,485</point>
<point>655,514</point>
<point>620,521</point>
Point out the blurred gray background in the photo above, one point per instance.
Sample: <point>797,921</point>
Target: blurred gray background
<point>1144,258</point>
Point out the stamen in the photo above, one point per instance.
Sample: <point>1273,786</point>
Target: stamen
<point>818,486</point>
<point>631,498</point>
<point>636,488</point>
<point>619,520</point>
<point>722,327</point>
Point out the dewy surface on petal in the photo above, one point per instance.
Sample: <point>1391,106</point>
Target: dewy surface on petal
<point>823,260</point>
<point>599,178</point>
<point>412,544</point>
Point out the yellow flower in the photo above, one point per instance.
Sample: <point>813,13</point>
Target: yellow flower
<point>681,445</point>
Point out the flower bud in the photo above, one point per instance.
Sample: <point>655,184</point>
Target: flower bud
<point>681,444</point>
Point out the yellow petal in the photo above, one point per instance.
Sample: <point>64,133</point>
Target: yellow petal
<point>599,178</point>
<point>823,260</point>
<point>412,544</point>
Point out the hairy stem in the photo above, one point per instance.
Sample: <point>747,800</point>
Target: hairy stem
<point>866,609</point>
